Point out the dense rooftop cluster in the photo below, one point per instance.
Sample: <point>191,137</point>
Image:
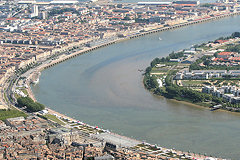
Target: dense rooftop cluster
<point>32,32</point>
<point>34,138</point>
<point>25,40</point>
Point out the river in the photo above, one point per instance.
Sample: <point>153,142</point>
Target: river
<point>104,88</point>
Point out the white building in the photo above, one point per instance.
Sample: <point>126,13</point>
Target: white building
<point>174,60</point>
<point>160,83</point>
<point>209,89</point>
<point>61,2</point>
<point>34,11</point>
<point>229,93</point>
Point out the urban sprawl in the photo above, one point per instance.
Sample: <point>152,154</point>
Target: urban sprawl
<point>37,35</point>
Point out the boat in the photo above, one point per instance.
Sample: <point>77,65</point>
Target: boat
<point>36,81</point>
<point>213,109</point>
<point>160,38</point>
<point>216,107</point>
<point>37,76</point>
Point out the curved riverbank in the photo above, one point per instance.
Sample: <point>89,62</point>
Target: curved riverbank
<point>160,78</point>
<point>136,34</point>
<point>131,36</point>
<point>105,89</point>
<point>199,106</point>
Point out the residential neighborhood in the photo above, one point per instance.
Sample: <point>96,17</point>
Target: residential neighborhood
<point>36,35</point>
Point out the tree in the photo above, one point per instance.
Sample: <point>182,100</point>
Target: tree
<point>31,106</point>
<point>173,91</point>
<point>236,34</point>
<point>217,100</point>
<point>235,48</point>
<point>155,62</point>
<point>148,70</point>
<point>195,66</point>
<point>153,82</point>
<point>159,91</point>
<point>150,82</point>
<point>207,62</point>
<point>162,59</point>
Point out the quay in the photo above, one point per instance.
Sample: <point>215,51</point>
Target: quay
<point>184,24</point>
<point>135,35</point>
<point>49,44</point>
<point>111,137</point>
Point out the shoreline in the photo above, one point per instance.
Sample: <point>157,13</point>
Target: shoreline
<point>133,35</point>
<point>185,100</point>
<point>40,68</point>
<point>198,106</point>
<point>191,104</point>
<point>161,29</point>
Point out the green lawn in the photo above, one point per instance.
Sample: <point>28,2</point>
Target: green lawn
<point>170,63</point>
<point>24,91</point>
<point>159,71</point>
<point>16,95</point>
<point>54,118</point>
<point>21,89</point>
<point>163,69</point>
<point>5,96</point>
<point>192,82</point>
<point>5,114</point>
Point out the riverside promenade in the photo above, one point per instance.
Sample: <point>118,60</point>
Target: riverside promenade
<point>86,50</point>
<point>135,34</point>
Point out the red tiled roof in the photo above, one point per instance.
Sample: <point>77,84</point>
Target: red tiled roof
<point>225,53</point>
<point>184,4</point>
<point>11,19</point>
<point>221,41</point>
<point>235,58</point>
<point>218,59</point>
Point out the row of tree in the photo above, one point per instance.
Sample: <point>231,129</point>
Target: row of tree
<point>233,35</point>
<point>233,105</point>
<point>234,48</point>
<point>182,93</point>
<point>150,82</point>
<point>172,55</point>
<point>166,59</point>
<point>30,105</point>
<point>206,60</point>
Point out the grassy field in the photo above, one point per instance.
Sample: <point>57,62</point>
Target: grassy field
<point>5,114</point>
<point>160,70</point>
<point>170,63</point>
<point>24,91</point>
<point>5,96</point>
<point>192,82</point>
<point>16,95</point>
<point>54,118</point>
